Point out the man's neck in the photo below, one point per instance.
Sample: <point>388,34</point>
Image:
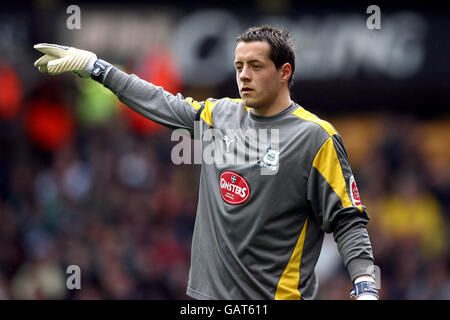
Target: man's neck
<point>280,104</point>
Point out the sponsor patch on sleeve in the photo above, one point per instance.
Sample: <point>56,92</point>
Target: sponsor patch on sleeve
<point>354,192</point>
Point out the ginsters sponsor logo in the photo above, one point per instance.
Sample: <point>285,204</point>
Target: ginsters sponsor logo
<point>234,189</point>
<point>355,193</point>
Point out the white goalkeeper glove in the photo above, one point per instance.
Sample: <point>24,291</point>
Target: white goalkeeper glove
<point>364,289</point>
<point>59,59</point>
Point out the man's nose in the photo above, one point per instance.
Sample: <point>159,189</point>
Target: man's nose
<point>245,74</point>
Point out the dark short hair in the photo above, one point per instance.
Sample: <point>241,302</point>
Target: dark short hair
<point>281,45</point>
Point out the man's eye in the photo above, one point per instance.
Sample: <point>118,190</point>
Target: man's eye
<point>256,66</point>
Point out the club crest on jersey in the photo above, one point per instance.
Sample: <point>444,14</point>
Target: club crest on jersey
<point>270,159</point>
<point>234,189</point>
<point>354,192</point>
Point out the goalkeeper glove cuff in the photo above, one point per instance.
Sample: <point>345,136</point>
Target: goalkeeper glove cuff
<point>99,70</point>
<point>364,289</point>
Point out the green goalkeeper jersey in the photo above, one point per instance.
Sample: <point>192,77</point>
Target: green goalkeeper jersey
<point>270,187</point>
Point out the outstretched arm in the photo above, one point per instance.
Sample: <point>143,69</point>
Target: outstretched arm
<point>153,102</point>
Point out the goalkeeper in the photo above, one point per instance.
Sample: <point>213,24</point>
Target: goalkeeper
<point>256,236</point>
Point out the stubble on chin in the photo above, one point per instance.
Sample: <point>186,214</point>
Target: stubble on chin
<point>248,103</point>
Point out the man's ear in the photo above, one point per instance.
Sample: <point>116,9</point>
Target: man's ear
<point>286,72</point>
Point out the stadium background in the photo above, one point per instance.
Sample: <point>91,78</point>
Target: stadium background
<point>84,181</point>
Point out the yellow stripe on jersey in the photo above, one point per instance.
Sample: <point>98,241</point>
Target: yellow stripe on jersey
<point>238,100</point>
<point>306,115</point>
<point>287,288</point>
<point>195,104</point>
<point>206,114</point>
<point>327,163</point>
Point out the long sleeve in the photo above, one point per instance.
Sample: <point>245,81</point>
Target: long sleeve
<point>153,102</point>
<point>335,201</point>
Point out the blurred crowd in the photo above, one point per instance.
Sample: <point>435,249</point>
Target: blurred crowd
<point>85,182</point>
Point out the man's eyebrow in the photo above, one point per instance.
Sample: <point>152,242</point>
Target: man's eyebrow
<point>250,61</point>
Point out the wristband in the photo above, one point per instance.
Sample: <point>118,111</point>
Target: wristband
<point>99,70</point>
<point>364,288</point>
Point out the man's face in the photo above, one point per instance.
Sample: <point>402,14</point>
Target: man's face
<point>258,79</point>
